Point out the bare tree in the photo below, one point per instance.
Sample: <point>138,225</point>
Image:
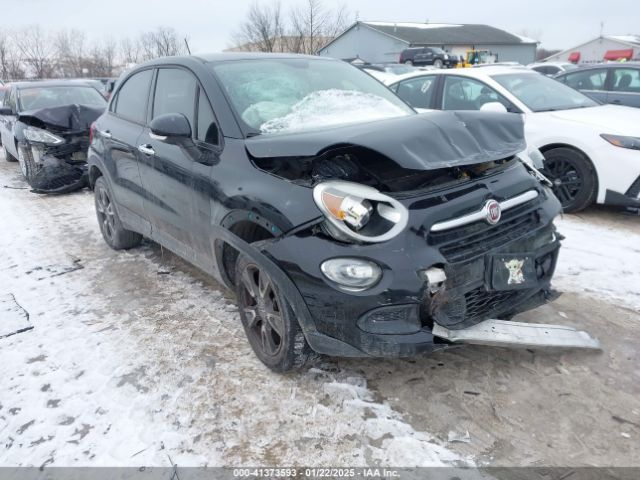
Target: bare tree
<point>161,42</point>
<point>313,25</point>
<point>70,54</point>
<point>129,50</point>
<point>263,28</point>
<point>36,50</point>
<point>4,54</point>
<point>304,30</point>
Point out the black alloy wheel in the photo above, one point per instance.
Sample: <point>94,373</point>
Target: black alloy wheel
<point>268,320</point>
<point>573,178</point>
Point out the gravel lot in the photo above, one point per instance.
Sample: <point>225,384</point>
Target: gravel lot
<point>137,358</point>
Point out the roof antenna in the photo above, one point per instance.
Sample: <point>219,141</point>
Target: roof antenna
<point>601,28</point>
<point>187,44</point>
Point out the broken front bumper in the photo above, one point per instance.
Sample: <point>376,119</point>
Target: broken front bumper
<point>518,334</point>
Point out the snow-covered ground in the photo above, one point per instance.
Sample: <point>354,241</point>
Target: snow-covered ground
<point>599,260</point>
<point>133,362</point>
<point>136,359</point>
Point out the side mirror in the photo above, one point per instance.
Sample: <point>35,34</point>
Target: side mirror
<point>6,111</point>
<point>493,107</point>
<point>170,128</point>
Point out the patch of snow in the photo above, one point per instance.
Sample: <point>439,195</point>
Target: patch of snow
<point>424,26</point>
<point>626,38</point>
<point>326,108</point>
<point>134,362</point>
<point>603,262</point>
<point>524,39</point>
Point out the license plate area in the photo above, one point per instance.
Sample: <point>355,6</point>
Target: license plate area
<point>513,271</point>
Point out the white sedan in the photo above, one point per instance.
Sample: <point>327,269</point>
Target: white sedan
<point>592,151</point>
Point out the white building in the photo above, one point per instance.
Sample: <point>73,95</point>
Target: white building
<point>606,48</point>
<point>381,42</point>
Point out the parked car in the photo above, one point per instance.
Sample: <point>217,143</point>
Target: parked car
<point>346,223</point>
<point>552,68</point>
<point>45,127</point>
<point>591,150</point>
<point>427,56</point>
<point>616,83</point>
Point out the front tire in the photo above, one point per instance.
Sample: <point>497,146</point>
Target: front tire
<point>408,62</point>
<point>28,166</point>
<point>437,63</point>
<point>116,236</point>
<point>268,320</point>
<point>574,179</point>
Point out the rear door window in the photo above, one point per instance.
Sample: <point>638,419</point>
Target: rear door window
<point>626,80</point>
<point>417,92</point>
<point>131,102</point>
<point>175,93</point>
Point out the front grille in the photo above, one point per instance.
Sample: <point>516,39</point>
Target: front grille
<point>469,241</point>
<point>477,305</point>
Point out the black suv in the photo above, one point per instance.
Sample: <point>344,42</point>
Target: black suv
<point>420,56</point>
<point>346,223</point>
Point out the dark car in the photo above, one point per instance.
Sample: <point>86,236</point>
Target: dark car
<point>616,83</point>
<point>346,223</point>
<point>435,56</point>
<point>45,126</point>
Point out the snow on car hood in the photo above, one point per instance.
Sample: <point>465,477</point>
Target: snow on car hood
<point>420,142</point>
<point>321,109</point>
<point>73,118</point>
<point>615,119</point>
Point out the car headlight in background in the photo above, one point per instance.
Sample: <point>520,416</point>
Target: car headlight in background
<point>41,136</point>
<point>354,274</point>
<point>622,141</point>
<point>359,213</point>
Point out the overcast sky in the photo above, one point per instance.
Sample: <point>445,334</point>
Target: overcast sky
<point>210,23</point>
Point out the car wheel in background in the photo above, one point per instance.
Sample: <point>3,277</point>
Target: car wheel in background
<point>7,156</point>
<point>268,320</point>
<point>573,176</point>
<point>437,63</point>
<point>408,62</point>
<point>116,236</point>
<point>28,166</point>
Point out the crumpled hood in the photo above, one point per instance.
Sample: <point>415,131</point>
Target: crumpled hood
<point>420,142</point>
<point>72,118</point>
<point>615,119</point>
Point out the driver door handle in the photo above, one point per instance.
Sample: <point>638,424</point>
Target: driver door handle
<point>105,133</point>
<point>146,149</point>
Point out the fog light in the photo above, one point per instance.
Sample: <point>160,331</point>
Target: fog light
<point>352,273</point>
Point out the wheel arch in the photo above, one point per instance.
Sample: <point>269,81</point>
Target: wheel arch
<point>94,174</point>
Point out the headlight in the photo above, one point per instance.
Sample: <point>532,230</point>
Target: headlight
<point>622,141</point>
<point>352,273</point>
<point>361,213</point>
<point>41,136</point>
<point>446,57</point>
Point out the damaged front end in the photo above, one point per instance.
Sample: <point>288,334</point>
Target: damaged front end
<point>52,147</point>
<point>421,238</point>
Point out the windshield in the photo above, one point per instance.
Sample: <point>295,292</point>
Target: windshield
<point>286,95</point>
<point>541,93</point>
<point>36,98</point>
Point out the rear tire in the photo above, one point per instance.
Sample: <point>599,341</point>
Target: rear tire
<point>116,236</point>
<point>7,156</point>
<point>268,320</point>
<point>408,62</point>
<point>574,179</point>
